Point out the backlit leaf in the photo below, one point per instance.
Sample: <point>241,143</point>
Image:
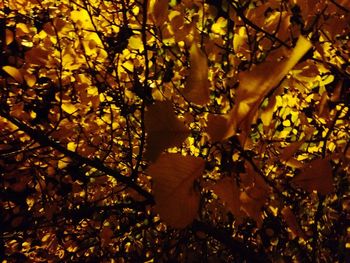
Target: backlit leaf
<point>255,84</point>
<point>159,11</point>
<point>176,198</point>
<point>14,73</point>
<point>163,129</point>
<point>69,107</point>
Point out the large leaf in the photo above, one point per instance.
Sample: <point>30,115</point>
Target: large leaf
<point>292,222</point>
<point>317,175</point>
<point>255,193</point>
<point>14,73</point>
<point>158,11</point>
<point>228,191</point>
<point>197,84</point>
<point>176,199</point>
<point>163,129</point>
<point>257,83</point>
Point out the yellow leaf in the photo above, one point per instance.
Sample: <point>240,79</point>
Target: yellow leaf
<point>176,199</point>
<point>219,26</point>
<point>71,146</point>
<point>197,84</point>
<point>135,42</point>
<point>316,176</point>
<point>68,107</point>
<point>14,73</point>
<point>163,129</point>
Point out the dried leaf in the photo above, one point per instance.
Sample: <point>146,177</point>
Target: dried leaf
<point>176,199</point>
<point>197,84</point>
<point>163,129</point>
<point>317,175</point>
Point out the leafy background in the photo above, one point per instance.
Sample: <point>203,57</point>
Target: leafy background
<point>174,131</point>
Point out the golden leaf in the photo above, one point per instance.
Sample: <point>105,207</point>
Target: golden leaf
<point>176,199</point>
<point>14,73</point>
<point>163,129</point>
<point>69,107</point>
<point>258,82</point>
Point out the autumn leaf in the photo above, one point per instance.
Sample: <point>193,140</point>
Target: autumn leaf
<point>176,198</point>
<point>158,11</point>
<point>292,222</point>
<point>163,129</point>
<point>287,153</point>
<point>14,73</point>
<point>256,83</point>
<point>228,191</point>
<point>197,84</point>
<point>316,176</point>
<point>37,56</point>
<point>255,193</point>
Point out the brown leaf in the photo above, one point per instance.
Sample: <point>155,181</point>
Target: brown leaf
<point>219,127</point>
<point>255,193</point>
<point>228,191</point>
<point>197,84</point>
<point>317,175</point>
<point>292,222</point>
<point>176,199</point>
<point>163,129</point>
<point>160,12</point>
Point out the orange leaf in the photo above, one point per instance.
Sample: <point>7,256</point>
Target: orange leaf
<point>176,199</point>
<point>14,73</point>
<point>163,129</point>
<point>317,175</point>
<point>197,84</point>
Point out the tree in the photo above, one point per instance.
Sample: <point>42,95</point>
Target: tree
<point>174,131</point>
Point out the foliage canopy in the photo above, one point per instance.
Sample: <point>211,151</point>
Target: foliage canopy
<point>174,131</point>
